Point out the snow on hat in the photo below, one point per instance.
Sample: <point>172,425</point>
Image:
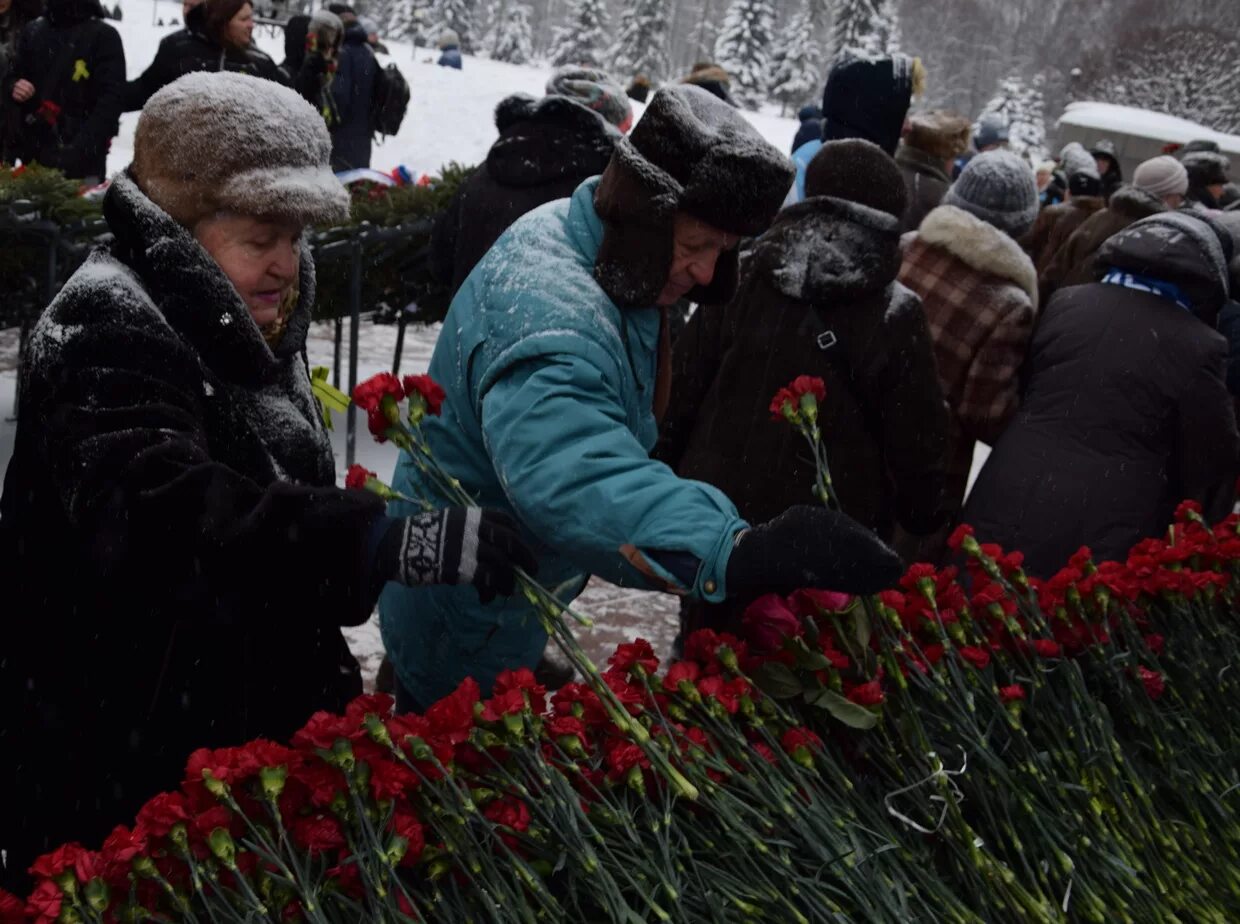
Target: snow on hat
<point>1206,168</point>
<point>1076,160</point>
<point>999,188</point>
<point>694,153</point>
<point>858,171</point>
<point>211,142</point>
<point>326,27</point>
<point>939,132</point>
<point>1199,144</point>
<point>594,90</point>
<point>869,98</point>
<point>1161,176</point>
<point>991,128</point>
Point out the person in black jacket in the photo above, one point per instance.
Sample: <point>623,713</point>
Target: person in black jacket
<point>817,296</point>
<point>177,558</point>
<point>546,148</point>
<point>216,37</point>
<point>352,89</point>
<point>318,64</point>
<point>1109,170</point>
<point>296,31</point>
<point>68,81</point>
<point>1126,412</point>
<point>14,16</point>
<point>810,128</point>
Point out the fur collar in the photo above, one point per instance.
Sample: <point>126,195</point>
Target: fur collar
<point>981,246</point>
<point>1135,203</point>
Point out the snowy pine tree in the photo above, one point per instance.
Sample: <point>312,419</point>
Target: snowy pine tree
<point>866,27</point>
<point>642,45</point>
<point>1021,104</point>
<point>583,37</point>
<point>741,49</point>
<point>797,77</point>
<point>513,41</point>
<point>457,15</point>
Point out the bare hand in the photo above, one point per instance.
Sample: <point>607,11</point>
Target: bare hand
<point>23,90</point>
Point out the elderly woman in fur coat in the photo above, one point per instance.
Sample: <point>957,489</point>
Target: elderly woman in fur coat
<point>181,559</point>
<point>980,294</point>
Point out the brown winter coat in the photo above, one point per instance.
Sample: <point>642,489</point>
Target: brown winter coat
<point>1055,225</point>
<point>1073,263</point>
<point>980,295</point>
<point>926,181</point>
<point>818,297</point>
<point>1125,413</point>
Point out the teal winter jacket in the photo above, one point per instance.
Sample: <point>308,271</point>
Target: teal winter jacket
<point>548,415</point>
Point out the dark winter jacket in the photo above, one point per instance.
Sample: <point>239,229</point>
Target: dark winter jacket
<point>1126,412</point>
<point>191,49</point>
<point>810,128</point>
<point>352,89</point>
<point>77,65</point>
<point>1073,263</point>
<point>295,32</point>
<point>817,297</point>
<point>181,561</point>
<point>20,14</point>
<point>546,148</point>
<point>1055,225</point>
<point>450,57</point>
<point>926,180</point>
<point>1229,327</point>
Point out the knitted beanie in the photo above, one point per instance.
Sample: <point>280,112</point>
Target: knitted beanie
<point>939,133</point>
<point>694,153</point>
<point>1161,176</point>
<point>211,142</point>
<point>594,90</point>
<point>857,171</point>
<point>999,188</point>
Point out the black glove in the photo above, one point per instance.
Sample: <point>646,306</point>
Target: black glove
<point>458,545</point>
<point>811,547</point>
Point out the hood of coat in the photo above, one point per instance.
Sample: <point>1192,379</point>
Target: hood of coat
<point>545,140</point>
<point>1178,248</point>
<point>1135,203</point>
<point>354,34</point>
<point>825,249</point>
<point>921,162</point>
<point>193,293</point>
<point>64,13</point>
<point>980,245</point>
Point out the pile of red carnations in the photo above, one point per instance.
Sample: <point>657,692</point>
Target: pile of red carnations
<point>972,746</point>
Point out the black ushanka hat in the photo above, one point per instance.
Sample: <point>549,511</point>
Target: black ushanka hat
<point>692,153</point>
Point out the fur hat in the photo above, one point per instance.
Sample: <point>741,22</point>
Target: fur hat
<point>693,153</point>
<point>869,98</point>
<point>939,132</point>
<point>999,188</point>
<point>1161,176</point>
<point>991,129</point>
<point>594,90</point>
<point>1206,168</point>
<point>1199,144</point>
<point>211,142</point>
<point>858,171</point>
<point>1076,160</point>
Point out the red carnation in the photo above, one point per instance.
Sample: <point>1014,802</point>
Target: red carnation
<point>566,726</point>
<point>405,824</point>
<point>958,536</point>
<point>636,653</point>
<point>783,398</point>
<point>1189,510</point>
<point>1046,648</point>
<point>1155,684</point>
<point>317,833</point>
<point>867,694</point>
<point>978,657</point>
<point>51,865</point>
<point>160,814</point>
<point>812,602</point>
<point>428,389</point>
<point>768,621</point>
<point>509,812</point>
<point>1155,643</point>
<point>623,756</point>
<point>369,395</point>
<point>44,903</point>
<point>804,385</point>
<point>358,476</point>
<point>794,739</point>
<point>12,910</point>
<point>681,670</point>
<point>1012,694</point>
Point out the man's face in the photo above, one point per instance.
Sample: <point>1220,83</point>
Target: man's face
<point>696,248</point>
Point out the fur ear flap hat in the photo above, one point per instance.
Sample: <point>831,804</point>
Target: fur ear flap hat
<point>211,142</point>
<point>693,153</point>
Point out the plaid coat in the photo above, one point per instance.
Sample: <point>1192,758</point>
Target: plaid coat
<point>980,294</point>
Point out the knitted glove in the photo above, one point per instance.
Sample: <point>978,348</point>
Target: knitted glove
<point>457,545</point>
<point>811,547</point>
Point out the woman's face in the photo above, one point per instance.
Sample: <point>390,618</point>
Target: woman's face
<point>241,27</point>
<point>259,256</point>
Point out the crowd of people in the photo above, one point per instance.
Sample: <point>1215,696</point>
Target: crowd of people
<point>170,455</point>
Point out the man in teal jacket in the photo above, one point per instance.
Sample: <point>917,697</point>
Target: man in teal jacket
<point>554,357</point>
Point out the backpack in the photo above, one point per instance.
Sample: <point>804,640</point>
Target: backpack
<point>389,101</point>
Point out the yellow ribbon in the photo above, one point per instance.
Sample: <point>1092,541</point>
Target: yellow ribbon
<point>79,70</point>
